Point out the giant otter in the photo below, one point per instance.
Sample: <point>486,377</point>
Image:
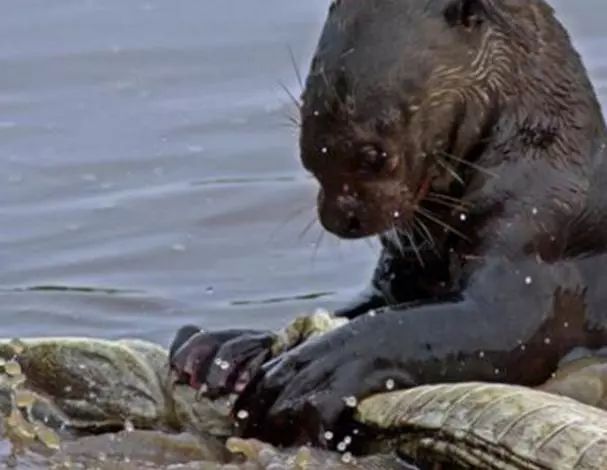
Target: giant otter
<point>467,136</point>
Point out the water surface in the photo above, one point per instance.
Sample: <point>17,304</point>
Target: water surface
<point>148,175</point>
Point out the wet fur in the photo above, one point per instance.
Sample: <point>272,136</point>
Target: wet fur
<point>467,136</point>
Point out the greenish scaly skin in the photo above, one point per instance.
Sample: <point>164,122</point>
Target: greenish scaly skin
<point>305,327</point>
<point>490,426</point>
<point>79,387</point>
<point>93,385</point>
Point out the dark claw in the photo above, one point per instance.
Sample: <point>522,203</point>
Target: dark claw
<point>178,363</point>
<point>236,362</point>
<point>181,337</point>
<point>193,357</point>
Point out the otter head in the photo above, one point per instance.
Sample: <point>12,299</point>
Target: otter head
<point>399,95</point>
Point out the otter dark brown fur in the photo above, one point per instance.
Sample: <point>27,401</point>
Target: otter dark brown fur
<point>466,134</point>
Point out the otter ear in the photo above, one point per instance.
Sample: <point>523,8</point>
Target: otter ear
<point>468,13</point>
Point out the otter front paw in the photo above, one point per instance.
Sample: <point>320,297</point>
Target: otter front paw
<point>218,363</point>
<point>310,392</point>
<point>223,362</point>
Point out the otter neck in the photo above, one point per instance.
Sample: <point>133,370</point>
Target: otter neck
<point>551,109</point>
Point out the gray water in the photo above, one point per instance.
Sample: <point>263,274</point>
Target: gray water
<point>148,175</point>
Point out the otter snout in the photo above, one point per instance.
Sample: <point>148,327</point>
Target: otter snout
<point>342,215</point>
<point>364,210</point>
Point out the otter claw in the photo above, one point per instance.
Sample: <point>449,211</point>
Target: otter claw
<point>194,356</point>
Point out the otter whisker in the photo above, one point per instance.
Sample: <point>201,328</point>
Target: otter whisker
<point>425,233</point>
<point>421,233</point>
<point>444,203</point>
<point>450,170</point>
<point>474,166</point>
<point>291,96</point>
<point>307,228</point>
<point>396,240</point>
<point>446,197</point>
<point>292,123</point>
<point>289,217</point>
<point>426,213</point>
<point>295,68</point>
<point>411,239</point>
<point>317,246</point>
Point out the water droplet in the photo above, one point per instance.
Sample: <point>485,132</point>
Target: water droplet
<point>224,365</point>
<point>217,362</point>
<point>390,384</point>
<point>129,426</point>
<point>534,211</point>
<point>324,150</point>
<point>242,414</point>
<point>547,340</point>
<point>463,217</point>
<point>346,457</point>
<point>566,324</point>
<point>351,402</point>
<point>328,435</point>
<point>523,347</point>
<point>347,440</point>
<point>528,280</point>
<point>316,113</point>
<point>372,313</point>
<point>341,447</point>
<point>481,354</point>
<point>396,214</point>
<point>496,372</point>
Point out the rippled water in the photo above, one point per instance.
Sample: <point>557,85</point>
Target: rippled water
<point>148,176</point>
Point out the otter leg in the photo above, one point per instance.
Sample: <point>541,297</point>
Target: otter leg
<point>513,323</point>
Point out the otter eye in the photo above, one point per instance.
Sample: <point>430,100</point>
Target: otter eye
<point>465,12</point>
<point>372,158</point>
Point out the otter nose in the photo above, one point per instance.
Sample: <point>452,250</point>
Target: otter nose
<point>347,203</point>
<point>349,206</point>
